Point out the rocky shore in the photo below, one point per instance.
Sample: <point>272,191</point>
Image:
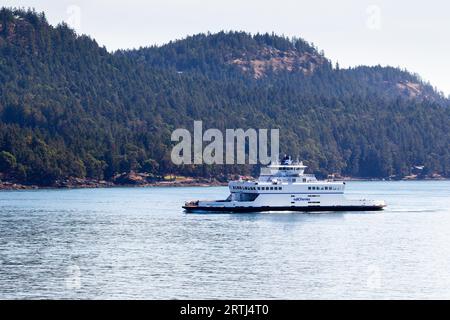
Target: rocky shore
<point>144,180</point>
<point>121,180</point>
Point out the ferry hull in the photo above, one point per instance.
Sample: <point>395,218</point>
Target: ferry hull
<point>267,209</point>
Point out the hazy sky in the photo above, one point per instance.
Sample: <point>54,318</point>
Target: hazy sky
<point>411,34</point>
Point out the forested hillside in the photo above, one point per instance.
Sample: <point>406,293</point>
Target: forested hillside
<point>70,108</point>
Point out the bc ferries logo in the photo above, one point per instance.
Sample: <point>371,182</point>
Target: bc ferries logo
<point>301,199</point>
<point>237,142</point>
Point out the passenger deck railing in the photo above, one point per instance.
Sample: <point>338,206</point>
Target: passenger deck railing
<point>269,172</point>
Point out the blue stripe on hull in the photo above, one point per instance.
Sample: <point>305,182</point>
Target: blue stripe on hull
<point>302,209</point>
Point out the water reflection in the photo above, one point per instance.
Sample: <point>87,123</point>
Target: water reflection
<point>138,243</point>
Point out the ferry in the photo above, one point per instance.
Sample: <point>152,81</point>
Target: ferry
<point>283,186</point>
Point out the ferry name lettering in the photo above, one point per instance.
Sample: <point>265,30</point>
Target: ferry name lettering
<point>301,199</point>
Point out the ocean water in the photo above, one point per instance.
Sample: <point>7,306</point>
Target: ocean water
<point>137,243</point>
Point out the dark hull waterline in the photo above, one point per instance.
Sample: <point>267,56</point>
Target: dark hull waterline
<point>266,209</point>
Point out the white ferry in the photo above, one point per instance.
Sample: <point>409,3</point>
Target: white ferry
<point>285,187</point>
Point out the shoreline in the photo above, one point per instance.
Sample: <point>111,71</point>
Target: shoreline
<point>11,186</point>
<point>191,182</point>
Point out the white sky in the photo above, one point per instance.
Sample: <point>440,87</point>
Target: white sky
<point>410,34</point>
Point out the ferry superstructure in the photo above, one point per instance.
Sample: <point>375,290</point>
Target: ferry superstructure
<point>283,186</point>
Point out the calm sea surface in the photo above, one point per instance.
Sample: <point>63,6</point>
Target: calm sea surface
<point>137,243</point>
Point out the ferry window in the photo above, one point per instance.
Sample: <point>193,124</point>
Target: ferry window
<point>281,188</point>
<point>309,188</point>
<point>271,188</point>
<point>258,188</point>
